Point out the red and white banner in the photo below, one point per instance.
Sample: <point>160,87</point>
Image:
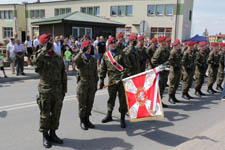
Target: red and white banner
<point>143,98</point>
<point>113,61</point>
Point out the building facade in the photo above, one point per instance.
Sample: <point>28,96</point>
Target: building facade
<point>172,18</point>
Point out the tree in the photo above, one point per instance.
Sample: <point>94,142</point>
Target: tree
<point>205,33</point>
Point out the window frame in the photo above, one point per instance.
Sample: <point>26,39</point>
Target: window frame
<point>122,15</point>
<point>116,7</point>
<point>9,30</point>
<point>166,8</point>
<point>126,11</point>
<point>154,11</point>
<point>95,11</point>
<point>157,6</point>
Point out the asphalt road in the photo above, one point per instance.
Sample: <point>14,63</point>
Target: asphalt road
<point>19,122</point>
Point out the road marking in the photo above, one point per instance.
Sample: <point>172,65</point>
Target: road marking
<point>34,104</point>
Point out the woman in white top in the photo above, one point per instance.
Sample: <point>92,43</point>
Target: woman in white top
<point>29,49</point>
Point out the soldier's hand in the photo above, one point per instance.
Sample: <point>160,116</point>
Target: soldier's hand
<point>101,85</point>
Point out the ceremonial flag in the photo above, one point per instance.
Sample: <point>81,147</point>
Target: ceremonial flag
<point>143,98</point>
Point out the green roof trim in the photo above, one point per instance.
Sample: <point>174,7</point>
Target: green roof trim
<point>76,16</point>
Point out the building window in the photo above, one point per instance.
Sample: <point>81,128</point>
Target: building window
<point>190,15</point>
<point>121,10</point>
<point>62,11</point>
<point>114,10</point>
<point>68,10</point>
<point>1,14</point>
<point>39,13</point>
<point>97,11</point>
<point>7,32</point>
<point>42,13</point>
<point>157,32</point>
<point>90,11</point>
<point>6,14</point>
<point>159,10</point>
<point>81,31</point>
<point>83,9</point>
<point>129,10</point>
<point>169,10</point>
<point>151,10</point>
<point>126,30</point>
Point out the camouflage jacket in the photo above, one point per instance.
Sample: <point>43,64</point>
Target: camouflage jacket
<point>221,61</point>
<point>87,68</point>
<point>188,61</point>
<point>120,46</point>
<point>141,54</point>
<point>201,62</point>
<point>160,57</point>
<point>107,68</point>
<point>134,61</point>
<point>51,70</point>
<point>213,59</point>
<point>175,59</point>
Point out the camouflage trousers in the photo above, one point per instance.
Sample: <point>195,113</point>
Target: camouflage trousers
<point>187,80</point>
<point>220,78</point>
<point>174,78</point>
<point>163,78</point>
<point>113,90</point>
<point>86,95</point>
<point>199,79</point>
<point>212,77</point>
<point>50,105</point>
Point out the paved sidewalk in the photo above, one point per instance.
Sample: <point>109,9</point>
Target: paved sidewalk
<point>211,139</point>
<point>29,74</point>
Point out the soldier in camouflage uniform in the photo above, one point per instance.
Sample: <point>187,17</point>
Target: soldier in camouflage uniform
<point>141,53</point>
<point>220,75</point>
<point>161,56</point>
<point>133,56</point>
<point>120,39</point>
<point>200,68</point>
<point>188,69</point>
<point>116,68</point>
<point>87,83</point>
<point>168,43</point>
<point>52,88</point>
<point>213,62</point>
<point>175,71</point>
<point>150,52</point>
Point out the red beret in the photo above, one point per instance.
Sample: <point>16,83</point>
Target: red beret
<point>44,38</point>
<point>176,42</point>
<point>141,38</point>
<point>119,35</point>
<point>168,39</point>
<point>154,40</point>
<point>214,44</point>
<point>191,43</point>
<point>161,39</point>
<point>85,44</point>
<point>132,37</point>
<point>222,45</point>
<point>202,43</point>
<point>111,40</point>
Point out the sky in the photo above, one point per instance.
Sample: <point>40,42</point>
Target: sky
<point>207,14</point>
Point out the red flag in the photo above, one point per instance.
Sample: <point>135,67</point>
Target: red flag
<point>143,98</point>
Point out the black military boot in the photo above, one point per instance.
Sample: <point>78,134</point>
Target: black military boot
<point>203,94</point>
<point>164,105</point>
<point>89,124</point>
<point>210,91</point>
<point>83,124</point>
<point>171,99</point>
<point>46,140</point>
<point>218,87</point>
<point>108,117</point>
<point>184,96</point>
<point>54,138</point>
<point>197,93</point>
<point>214,90</point>
<point>122,121</point>
<point>175,99</point>
<point>190,97</point>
